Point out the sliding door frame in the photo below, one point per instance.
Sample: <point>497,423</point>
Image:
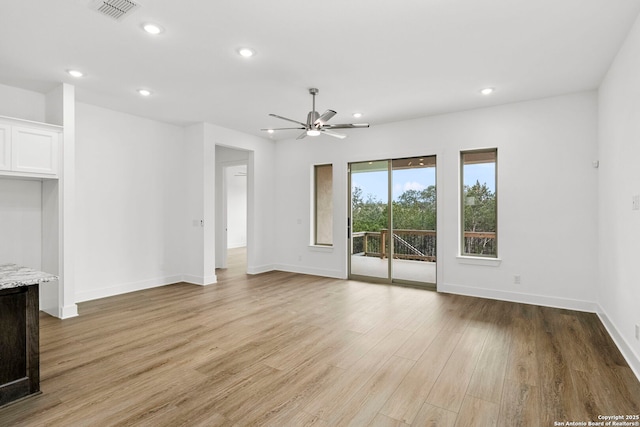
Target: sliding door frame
<point>390,247</point>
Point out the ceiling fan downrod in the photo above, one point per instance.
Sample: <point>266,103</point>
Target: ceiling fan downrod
<point>313,91</point>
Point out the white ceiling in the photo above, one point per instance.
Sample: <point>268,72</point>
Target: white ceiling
<point>391,60</point>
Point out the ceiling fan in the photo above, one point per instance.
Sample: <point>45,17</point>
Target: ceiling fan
<point>316,123</point>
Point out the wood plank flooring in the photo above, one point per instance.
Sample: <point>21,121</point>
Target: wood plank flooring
<point>283,349</point>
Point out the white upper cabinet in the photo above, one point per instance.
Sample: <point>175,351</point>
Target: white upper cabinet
<point>5,147</point>
<point>34,150</point>
<point>29,149</point>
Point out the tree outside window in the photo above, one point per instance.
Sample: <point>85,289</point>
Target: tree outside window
<point>479,203</point>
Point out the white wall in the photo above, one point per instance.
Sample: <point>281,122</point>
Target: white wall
<point>130,202</point>
<point>193,269</point>
<point>547,195</point>
<point>21,222</point>
<point>22,104</point>
<point>141,184</point>
<point>131,181</point>
<point>619,237</point>
<point>236,183</point>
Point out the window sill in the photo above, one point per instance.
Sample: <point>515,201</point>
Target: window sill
<point>474,260</point>
<point>321,248</point>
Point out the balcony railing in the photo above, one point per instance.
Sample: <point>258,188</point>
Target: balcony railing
<point>407,244</point>
<point>416,244</point>
<point>480,242</point>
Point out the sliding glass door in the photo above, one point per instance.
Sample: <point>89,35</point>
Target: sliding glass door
<point>393,221</point>
<point>369,219</point>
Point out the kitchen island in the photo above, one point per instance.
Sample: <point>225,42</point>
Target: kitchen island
<point>19,331</point>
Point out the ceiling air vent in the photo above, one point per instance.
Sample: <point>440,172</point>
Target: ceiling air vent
<point>115,9</point>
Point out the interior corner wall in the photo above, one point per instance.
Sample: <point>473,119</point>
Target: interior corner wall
<point>130,197</point>
<point>619,230</point>
<point>22,104</point>
<point>547,200</point>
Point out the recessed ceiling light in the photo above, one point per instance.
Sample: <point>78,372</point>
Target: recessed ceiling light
<point>152,28</point>
<point>245,52</point>
<point>144,92</point>
<point>487,91</point>
<point>75,73</point>
<point>357,115</point>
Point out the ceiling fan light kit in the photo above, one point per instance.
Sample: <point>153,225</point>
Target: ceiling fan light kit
<point>317,123</point>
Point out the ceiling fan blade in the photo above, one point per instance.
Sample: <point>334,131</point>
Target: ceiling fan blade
<point>302,135</point>
<point>334,134</point>
<point>289,120</point>
<point>281,129</point>
<point>347,126</point>
<point>324,118</point>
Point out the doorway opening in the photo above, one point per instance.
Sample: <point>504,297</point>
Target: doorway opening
<point>232,208</point>
<point>392,219</point>
<point>236,216</point>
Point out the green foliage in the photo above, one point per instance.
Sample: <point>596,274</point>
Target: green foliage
<point>414,210</point>
<point>368,215</point>
<point>479,208</point>
<point>479,215</point>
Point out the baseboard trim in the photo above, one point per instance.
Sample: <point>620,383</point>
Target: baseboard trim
<point>260,269</point>
<point>200,280</point>
<point>542,300</point>
<point>334,274</point>
<point>62,312</point>
<point>68,311</point>
<point>126,288</point>
<point>627,351</point>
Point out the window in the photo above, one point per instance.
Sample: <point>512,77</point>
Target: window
<point>323,205</point>
<point>478,205</point>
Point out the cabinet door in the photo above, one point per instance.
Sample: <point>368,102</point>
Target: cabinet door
<point>34,150</point>
<point>5,147</point>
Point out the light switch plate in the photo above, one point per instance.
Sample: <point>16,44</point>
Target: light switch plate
<point>635,202</point>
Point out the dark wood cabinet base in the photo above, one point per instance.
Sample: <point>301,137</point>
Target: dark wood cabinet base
<point>19,343</point>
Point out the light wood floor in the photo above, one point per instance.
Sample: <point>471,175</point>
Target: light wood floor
<point>286,349</point>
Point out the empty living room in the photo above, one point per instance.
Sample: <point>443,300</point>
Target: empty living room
<point>319,214</point>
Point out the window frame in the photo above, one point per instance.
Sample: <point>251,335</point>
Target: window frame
<point>315,203</point>
<point>462,253</point>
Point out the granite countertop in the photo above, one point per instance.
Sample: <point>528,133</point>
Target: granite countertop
<point>15,276</point>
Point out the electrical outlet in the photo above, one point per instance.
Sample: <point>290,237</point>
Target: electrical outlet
<point>516,279</point>
<point>635,202</point>
<point>638,332</point>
